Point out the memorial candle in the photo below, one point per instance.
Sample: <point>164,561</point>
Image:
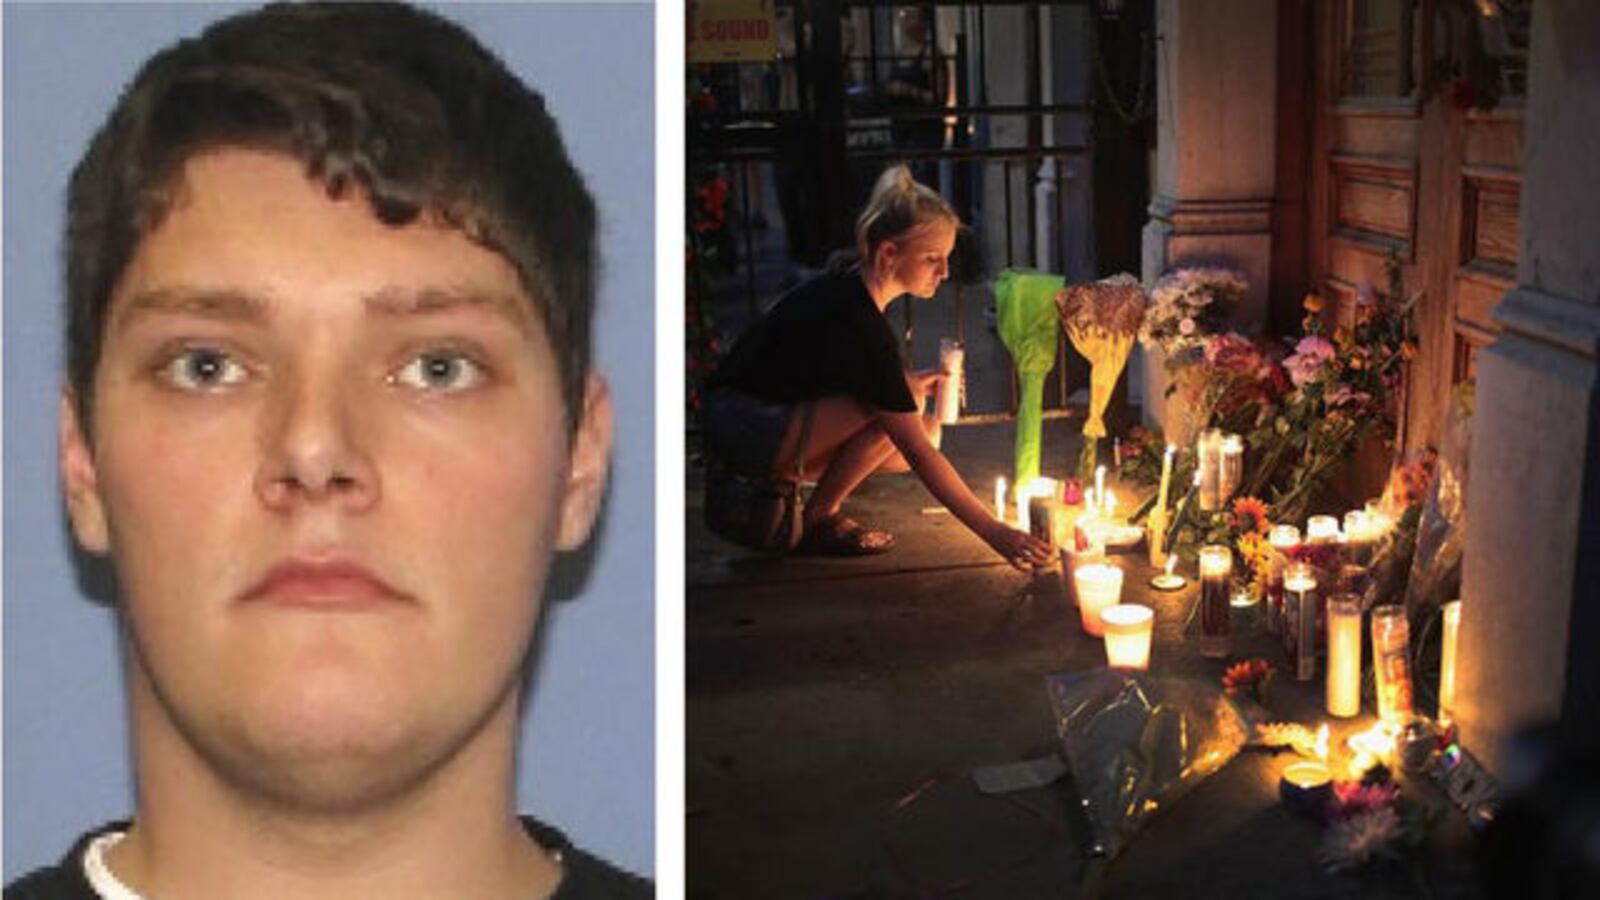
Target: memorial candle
<point>1344,656</point>
<point>1283,538</point>
<point>1391,647</point>
<point>1099,588</point>
<point>952,359</point>
<point>1208,468</point>
<point>1230,467</point>
<point>1447,661</point>
<point>1000,498</point>
<point>1099,486</point>
<point>1359,537</point>
<point>1128,628</point>
<point>1044,517</point>
<point>1322,530</point>
<point>1300,619</point>
<point>1216,575</point>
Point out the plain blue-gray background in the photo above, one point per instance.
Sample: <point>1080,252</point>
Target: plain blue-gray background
<point>588,742</point>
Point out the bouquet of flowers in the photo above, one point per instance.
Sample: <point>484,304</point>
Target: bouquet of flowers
<point>1188,304</point>
<point>1101,319</point>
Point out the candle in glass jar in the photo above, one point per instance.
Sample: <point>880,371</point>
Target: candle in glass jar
<point>1283,538</point>
<point>1391,646</point>
<point>1300,619</point>
<point>952,359</point>
<point>1447,661</point>
<point>1099,588</point>
<point>1344,656</point>
<point>1322,530</point>
<point>1208,468</point>
<point>1359,536</point>
<point>1230,467</point>
<point>1216,575</point>
<point>1128,628</point>
<point>1044,518</point>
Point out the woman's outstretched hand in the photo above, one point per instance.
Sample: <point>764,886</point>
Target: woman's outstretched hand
<point>1019,548</point>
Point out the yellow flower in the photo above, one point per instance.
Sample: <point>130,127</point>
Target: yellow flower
<point>1313,303</point>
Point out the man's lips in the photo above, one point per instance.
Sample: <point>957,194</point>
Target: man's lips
<point>329,585</point>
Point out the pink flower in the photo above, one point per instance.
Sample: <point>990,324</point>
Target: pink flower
<point>1232,353</point>
<point>1186,327</point>
<point>1310,357</point>
<point>1344,395</point>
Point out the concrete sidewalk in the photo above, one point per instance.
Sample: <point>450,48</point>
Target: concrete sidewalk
<point>837,707</point>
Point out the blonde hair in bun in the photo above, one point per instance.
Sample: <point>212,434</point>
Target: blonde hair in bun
<point>898,205</point>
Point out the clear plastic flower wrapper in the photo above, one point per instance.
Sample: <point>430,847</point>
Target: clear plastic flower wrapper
<point>1135,743</point>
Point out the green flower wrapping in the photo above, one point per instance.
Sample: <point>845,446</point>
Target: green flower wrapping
<point>1027,320</point>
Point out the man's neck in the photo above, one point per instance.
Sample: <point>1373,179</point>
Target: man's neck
<point>453,833</point>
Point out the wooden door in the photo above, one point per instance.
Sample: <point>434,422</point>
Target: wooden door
<point>1416,151</point>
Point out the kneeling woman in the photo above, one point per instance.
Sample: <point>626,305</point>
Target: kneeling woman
<point>826,353</point>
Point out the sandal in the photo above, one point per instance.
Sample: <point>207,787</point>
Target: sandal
<point>840,535</point>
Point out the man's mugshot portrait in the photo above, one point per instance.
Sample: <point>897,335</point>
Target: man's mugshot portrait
<point>328,450</point>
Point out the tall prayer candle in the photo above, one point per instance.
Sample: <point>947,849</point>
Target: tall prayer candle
<point>1099,588</point>
<point>1128,628</point>
<point>1110,505</point>
<point>1300,619</point>
<point>1391,647</point>
<point>952,359</point>
<point>1283,538</point>
<point>1208,466</point>
<point>1000,498</point>
<point>1344,656</point>
<point>1099,486</point>
<point>1216,573</point>
<point>1447,662</point>
<point>1322,530</point>
<point>1166,477</point>
<point>1231,467</point>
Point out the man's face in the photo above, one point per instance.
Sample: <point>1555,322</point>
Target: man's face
<point>329,459</point>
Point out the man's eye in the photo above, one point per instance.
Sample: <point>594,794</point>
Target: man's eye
<point>439,370</point>
<point>203,368</point>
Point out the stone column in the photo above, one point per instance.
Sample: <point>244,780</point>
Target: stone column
<point>1530,613</point>
<point>1216,94</point>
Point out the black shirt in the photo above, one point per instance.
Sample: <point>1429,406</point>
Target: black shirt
<point>584,877</point>
<point>824,338</point>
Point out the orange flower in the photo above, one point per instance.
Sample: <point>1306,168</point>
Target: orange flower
<point>1313,303</point>
<point>1250,515</point>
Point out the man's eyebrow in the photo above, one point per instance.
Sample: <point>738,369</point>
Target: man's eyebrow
<point>398,301</point>
<point>205,303</point>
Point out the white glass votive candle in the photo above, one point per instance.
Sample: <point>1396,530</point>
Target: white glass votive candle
<point>1230,467</point>
<point>1216,576</point>
<point>1128,627</point>
<point>1322,530</point>
<point>1447,661</point>
<point>952,359</point>
<point>1099,588</point>
<point>1344,656</point>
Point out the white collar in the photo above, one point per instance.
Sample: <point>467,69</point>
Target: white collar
<point>106,884</point>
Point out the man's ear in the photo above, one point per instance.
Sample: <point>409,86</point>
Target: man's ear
<point>79,479</point>
<point>589,466</point>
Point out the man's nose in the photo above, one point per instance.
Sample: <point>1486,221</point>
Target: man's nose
<point>314,450</point>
